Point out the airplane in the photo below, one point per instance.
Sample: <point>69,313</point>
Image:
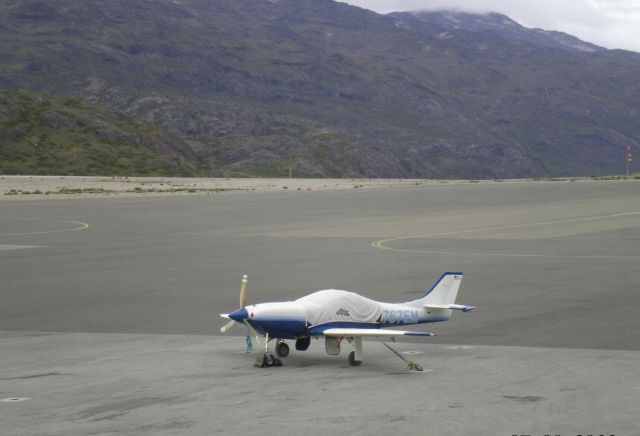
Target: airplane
<point>341,315</point>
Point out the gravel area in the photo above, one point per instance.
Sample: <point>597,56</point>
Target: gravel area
<point>46,187</point>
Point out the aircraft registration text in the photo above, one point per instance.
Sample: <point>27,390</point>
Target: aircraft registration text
<point>400,316</point>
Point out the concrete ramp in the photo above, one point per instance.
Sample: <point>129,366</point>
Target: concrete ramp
<point>78,384</point>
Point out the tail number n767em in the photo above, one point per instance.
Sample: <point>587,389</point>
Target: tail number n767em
<point>400,316</point>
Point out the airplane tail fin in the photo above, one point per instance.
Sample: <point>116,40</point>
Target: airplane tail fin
<point>443,293</point>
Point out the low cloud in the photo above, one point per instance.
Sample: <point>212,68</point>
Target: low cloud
<point>609,23</point>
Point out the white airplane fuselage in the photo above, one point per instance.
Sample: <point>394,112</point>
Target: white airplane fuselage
<point>289,320</point>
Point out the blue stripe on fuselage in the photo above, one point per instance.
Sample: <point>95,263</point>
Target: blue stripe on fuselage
<point>295,328</point>
<point>279,328</point>
<point>320,328</point>
<point>421,320</point>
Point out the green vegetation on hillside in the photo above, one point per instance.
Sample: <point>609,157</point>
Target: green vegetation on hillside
<point>62,135</point>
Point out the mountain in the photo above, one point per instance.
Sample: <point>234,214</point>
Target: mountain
<point>257,86</point>
<point>47,135</point>
<point>497,25</point>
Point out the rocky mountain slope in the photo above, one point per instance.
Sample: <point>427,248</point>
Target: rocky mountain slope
<point>258,86</point>
<point>66,136</point>
<point>497,26</point>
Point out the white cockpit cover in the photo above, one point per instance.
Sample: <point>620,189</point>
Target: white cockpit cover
<point>332,305</point>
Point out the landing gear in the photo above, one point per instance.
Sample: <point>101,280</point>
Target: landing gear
<point>355,357</point>
<point>303,343</point>
<point>282,349</point>
<point>268,360</point>
<point>352,359</point>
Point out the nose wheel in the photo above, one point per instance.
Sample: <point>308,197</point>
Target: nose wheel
<point>282,349</point>
<point>268,360</point>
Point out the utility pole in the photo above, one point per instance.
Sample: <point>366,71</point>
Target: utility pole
<point>291,156</point>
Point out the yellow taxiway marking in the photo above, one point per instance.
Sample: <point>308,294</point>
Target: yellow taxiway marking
<point>78,226</point>
<point>382,243</point>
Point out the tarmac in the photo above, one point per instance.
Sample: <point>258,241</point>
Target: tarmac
<point>108,321</point>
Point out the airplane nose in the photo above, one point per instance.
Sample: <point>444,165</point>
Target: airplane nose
<point>239,315</point>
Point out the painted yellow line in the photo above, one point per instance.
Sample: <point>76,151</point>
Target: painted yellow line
<point>553,256</point>
<point>382,243</point>
<point>78,226</point>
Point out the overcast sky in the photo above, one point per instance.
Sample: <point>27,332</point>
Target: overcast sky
<point>609,23</point>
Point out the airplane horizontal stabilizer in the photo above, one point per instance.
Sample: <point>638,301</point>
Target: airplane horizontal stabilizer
<point>354,332</point>
<point>449,306</point>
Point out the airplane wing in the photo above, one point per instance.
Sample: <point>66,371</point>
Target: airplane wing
<point>336,332</point>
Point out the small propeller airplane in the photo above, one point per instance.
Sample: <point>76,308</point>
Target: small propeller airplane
<point>340,315</point>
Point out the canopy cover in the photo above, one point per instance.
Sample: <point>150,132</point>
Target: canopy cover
<point>332,305</point>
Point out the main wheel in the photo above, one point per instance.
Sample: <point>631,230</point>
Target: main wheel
<point>353,361</point>
<point>282,349</point>
<point>303,343</point>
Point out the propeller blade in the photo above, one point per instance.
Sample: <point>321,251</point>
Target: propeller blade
<point>227,326</point>
<point>253,332</point>
<point>243,292</point>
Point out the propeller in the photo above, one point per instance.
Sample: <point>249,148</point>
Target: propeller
<point>243,292</point>
<point>225,328</point>
<point>243,302</point>
<point>241,315</point>
<point>253,332</point>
